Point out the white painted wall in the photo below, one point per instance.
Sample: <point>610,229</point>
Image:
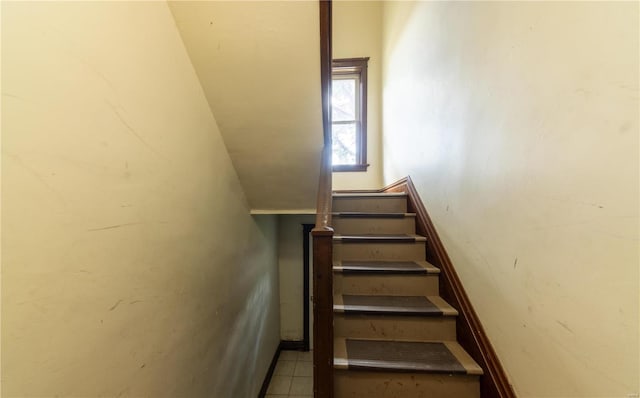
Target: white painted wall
<point>357,32</point>
<point>519,124</point>
<point>259,65</point>
<point>290,265</point>
<point>130,263</point>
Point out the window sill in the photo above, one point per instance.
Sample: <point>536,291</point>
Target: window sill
<point>350,167</point>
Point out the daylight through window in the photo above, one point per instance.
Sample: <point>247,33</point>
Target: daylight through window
<point>348,107</point>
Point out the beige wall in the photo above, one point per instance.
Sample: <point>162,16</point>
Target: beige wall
<point>259,65</point>
<point>290,264</point>
<point>130,263</point>
<point>519,124</point>
<point>357,32</point>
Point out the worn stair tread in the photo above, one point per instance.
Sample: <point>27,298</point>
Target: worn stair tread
<point>356,214</point>
<point>379,238</point>
<point>392,305</point>
<point>369,195</point>
<point>403,356</point>
<point>384,267</point>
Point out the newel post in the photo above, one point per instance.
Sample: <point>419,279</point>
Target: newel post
<point>323,312</point>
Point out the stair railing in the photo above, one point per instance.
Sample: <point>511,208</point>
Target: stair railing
<point>323,233</point>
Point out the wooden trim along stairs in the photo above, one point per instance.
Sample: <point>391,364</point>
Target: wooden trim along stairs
<point>470,333</point>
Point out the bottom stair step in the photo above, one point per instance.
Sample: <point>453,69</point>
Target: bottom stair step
<point>368,384</point>
<point>403,356</point>
<point>394,369</point>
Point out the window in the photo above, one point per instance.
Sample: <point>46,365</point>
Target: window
<point>349,114</point>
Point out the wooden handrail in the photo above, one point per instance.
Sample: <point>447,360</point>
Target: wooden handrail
<point>323,214</point>
<point>323,233</point>
<point>326,60</point>
<point>323,210</point>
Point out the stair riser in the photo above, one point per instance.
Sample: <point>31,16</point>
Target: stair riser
<point>392,285</point>
<point>410,328</point>
<point>379,251</point>
<point>358,226</point>
<point>370,205</point>
<point>366,384</point>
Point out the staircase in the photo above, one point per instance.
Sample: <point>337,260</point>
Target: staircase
<point>394,336</point>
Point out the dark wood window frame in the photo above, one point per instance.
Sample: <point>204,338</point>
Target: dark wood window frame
<point>356,66</point>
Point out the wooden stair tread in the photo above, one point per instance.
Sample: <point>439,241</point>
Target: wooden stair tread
<point>379,238</point>
<point>384,267</point>
<point>403,356</point>
<point>393,305</point>
<point>357,214</point>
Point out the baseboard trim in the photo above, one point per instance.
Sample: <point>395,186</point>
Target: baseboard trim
<point>290,345</point>
<point>269,375</point>
<point>285,345</point>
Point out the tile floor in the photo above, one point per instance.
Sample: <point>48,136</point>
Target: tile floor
<point>293,376</point>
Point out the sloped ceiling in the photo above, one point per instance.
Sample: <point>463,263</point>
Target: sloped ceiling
<point>259,66</point>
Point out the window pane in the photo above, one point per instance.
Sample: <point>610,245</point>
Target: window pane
<point>344,143</point>
<point>343,99</point>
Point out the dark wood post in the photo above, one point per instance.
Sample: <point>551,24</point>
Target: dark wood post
<point>323,312</point>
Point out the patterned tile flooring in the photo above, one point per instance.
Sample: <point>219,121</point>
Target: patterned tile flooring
<point>293,376</point>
